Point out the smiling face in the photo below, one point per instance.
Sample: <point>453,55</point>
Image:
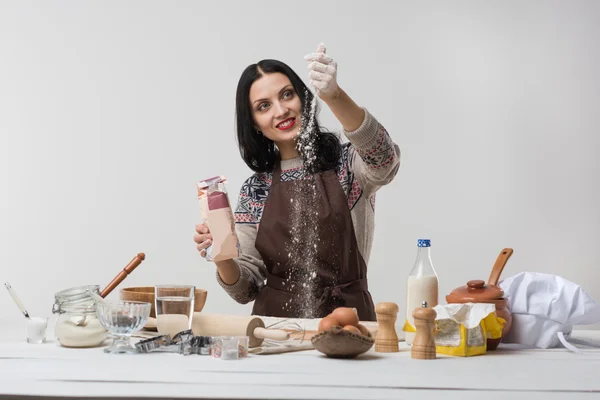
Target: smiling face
<point>277,110</point>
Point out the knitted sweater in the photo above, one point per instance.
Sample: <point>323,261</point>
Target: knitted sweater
<point>368,161</point>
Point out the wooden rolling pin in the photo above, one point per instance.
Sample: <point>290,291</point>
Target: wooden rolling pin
<point>236,325</point>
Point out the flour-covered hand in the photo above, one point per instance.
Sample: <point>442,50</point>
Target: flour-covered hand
<point>323,73</point>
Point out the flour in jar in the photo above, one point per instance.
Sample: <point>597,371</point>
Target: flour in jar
<point>76,332</point>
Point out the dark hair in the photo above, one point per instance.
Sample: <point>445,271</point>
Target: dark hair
<point>259,152</point>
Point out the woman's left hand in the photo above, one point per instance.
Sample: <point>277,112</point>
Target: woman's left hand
<point>323,74</point>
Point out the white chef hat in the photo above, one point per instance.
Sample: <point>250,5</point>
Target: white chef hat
<point>545,308</point>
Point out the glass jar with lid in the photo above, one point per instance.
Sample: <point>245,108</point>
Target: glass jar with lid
<point>77,324</point>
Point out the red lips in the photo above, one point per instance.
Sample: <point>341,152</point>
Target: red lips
<point>286,124</point>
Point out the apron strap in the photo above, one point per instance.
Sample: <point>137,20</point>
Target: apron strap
<point>276,173</point>
<point>355,286</point>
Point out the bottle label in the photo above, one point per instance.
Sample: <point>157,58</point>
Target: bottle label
<point>408,327</point>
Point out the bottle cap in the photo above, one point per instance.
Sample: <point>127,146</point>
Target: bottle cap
<point>424,243</point>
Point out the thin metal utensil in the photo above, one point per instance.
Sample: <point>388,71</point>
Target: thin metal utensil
<point>97,298</point>
<point>292,325</point>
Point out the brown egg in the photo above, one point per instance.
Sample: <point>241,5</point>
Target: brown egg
<point>352,328</point>
<point>345,316</point>
<point>363,329</point>
<point>327,323</point>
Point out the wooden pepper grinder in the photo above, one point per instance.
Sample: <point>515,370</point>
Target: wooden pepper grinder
<point>423,346</point>
<point>386,340</point>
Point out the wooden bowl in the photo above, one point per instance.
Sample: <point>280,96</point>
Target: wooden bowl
<point>146,293</point>
<point>336,342</point>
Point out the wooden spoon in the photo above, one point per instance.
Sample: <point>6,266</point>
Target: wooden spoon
<point>499,266</point>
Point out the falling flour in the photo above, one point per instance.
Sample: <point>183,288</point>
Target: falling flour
<point>302,250</point>
<point>302,255</point>
<point>306,142</point>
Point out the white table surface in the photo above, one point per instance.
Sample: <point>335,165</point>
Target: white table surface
<point>49,370</point>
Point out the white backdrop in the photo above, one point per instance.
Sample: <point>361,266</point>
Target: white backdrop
<point>111,111</point>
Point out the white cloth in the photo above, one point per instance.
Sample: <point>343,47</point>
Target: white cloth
<point>467,314</point>
<point>545,308</point>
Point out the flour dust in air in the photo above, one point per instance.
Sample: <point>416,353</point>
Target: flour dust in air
<point>304,236</point>
<point>307,137</point>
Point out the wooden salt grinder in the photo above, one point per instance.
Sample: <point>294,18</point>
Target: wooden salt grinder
<point>386,340</point>
<point>423,346</point>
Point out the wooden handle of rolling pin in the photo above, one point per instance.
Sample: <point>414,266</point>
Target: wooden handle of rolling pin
<point>137,260</point>
<point>273,334</point>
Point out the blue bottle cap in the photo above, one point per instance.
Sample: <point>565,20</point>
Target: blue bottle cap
<point>424,243</point>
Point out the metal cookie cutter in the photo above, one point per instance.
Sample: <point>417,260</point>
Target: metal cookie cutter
<point>183,343</point>
<point>152,344</point>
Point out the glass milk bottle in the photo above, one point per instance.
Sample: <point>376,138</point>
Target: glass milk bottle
<point>422,285</point>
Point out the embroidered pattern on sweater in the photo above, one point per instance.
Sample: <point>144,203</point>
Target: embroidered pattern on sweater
<point>381,154</point>
<point>292,174</point>
<point>252,199</point>
<point>350,186</point>
<point>255,190</point>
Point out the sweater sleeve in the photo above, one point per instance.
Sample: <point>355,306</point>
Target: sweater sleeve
<point>253,271</point>
<point>373,156</point>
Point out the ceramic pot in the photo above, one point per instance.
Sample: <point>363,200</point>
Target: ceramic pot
<point>477,291</point>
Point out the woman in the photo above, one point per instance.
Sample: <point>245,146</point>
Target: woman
<point>305,217</point>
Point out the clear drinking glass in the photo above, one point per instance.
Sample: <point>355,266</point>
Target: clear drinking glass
<point>174,308</point>
<point>36,329</point>
<point>122,319</point>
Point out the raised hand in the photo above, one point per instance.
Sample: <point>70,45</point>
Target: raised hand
<point>323,73</point>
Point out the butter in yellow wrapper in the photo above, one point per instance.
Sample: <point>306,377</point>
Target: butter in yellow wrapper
<point>463,329</point>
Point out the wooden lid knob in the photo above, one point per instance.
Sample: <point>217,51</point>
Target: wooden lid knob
<point>386,308</point>
<point>476,284</point>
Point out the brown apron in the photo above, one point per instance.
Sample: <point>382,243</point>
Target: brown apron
<point>306,239</point>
